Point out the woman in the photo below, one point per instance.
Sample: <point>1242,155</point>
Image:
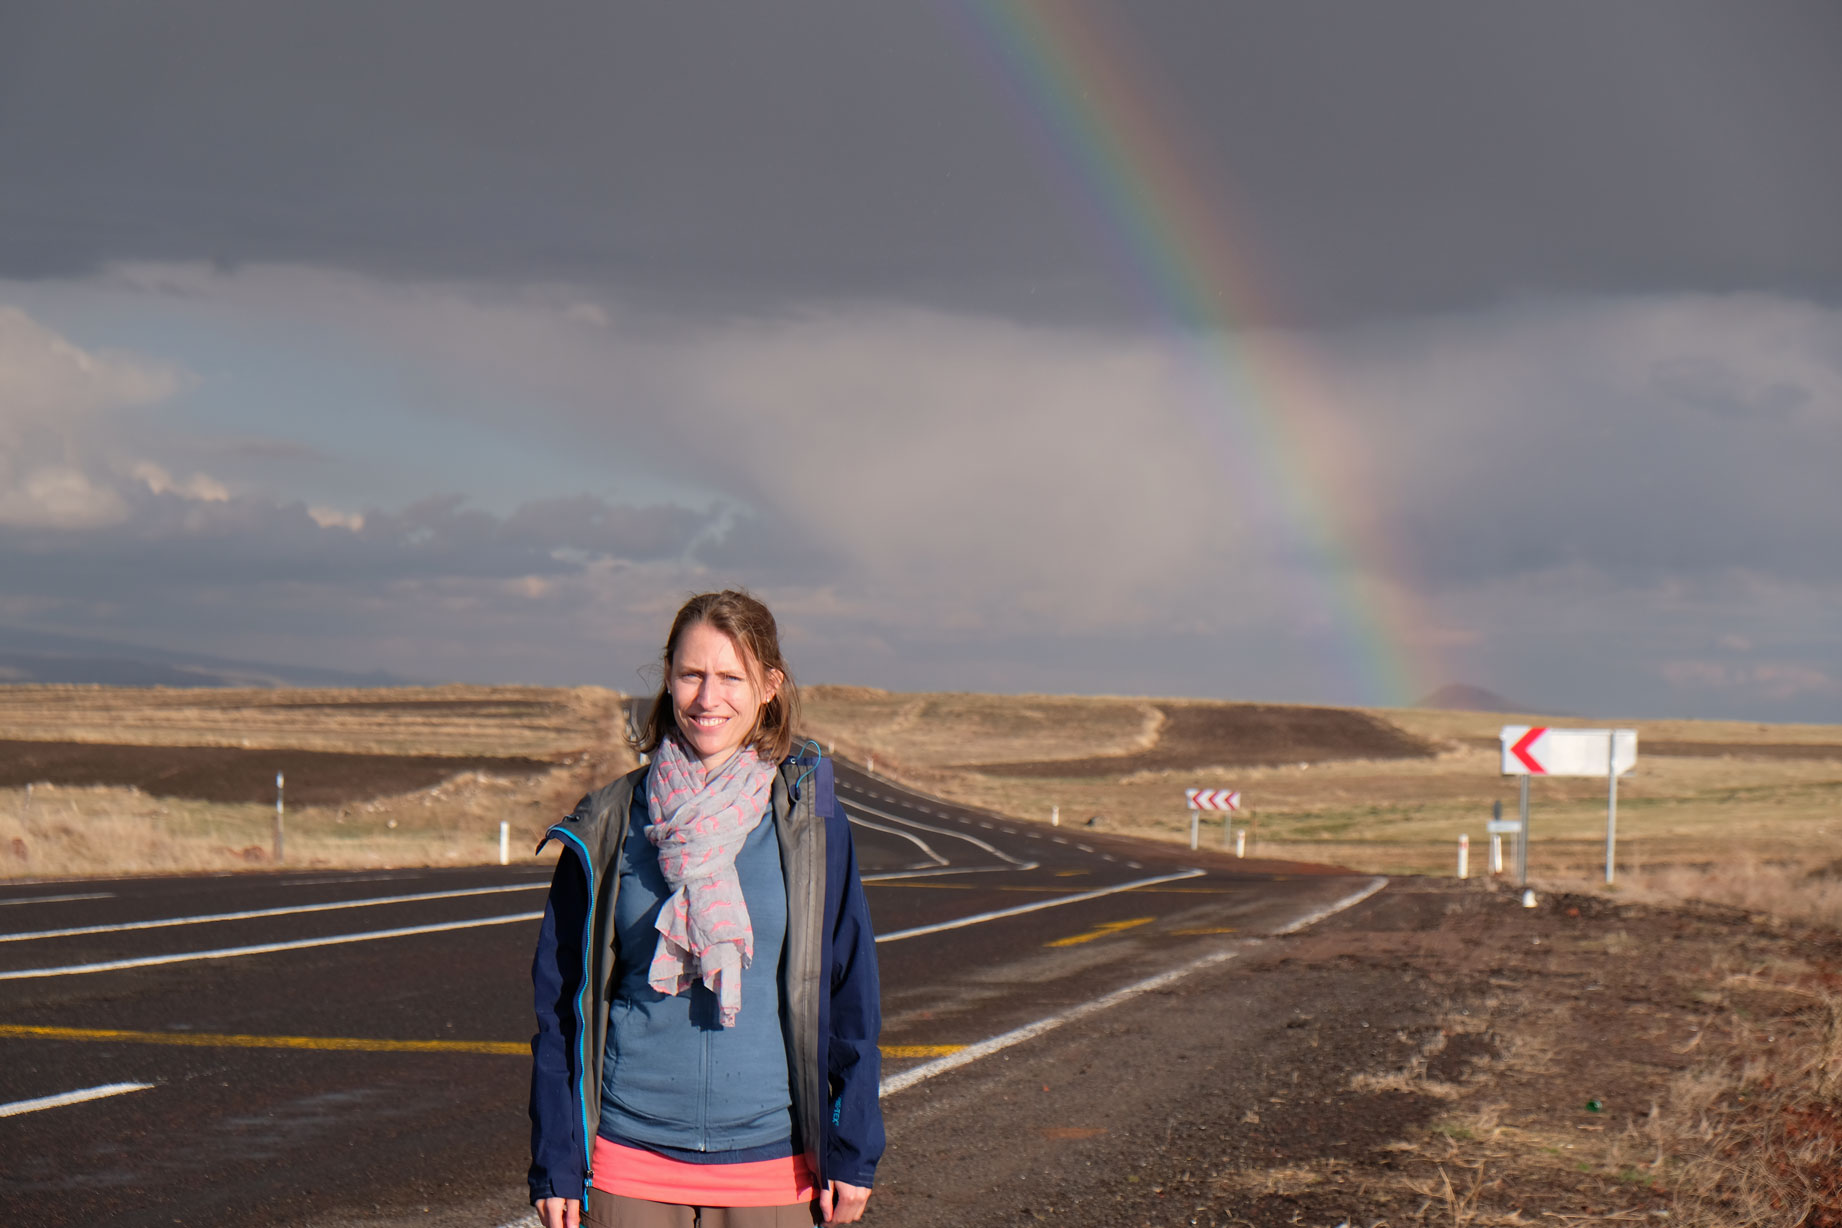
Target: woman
<point>707,1004</point>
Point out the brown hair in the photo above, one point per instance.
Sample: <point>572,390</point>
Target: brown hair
<point>747,621</point>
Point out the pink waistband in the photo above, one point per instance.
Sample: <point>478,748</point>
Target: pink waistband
<point>758,1183</point>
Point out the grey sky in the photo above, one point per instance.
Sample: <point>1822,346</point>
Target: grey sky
<point>1381,158</point>
<point>462,340</point>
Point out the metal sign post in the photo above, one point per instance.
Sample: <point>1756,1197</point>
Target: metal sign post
<point>1522,836</point>
<point>1537,750</point>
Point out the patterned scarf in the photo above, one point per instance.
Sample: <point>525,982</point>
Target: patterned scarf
<point>698,826</point>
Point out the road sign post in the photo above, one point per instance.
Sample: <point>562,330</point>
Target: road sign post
<point>1226,800</point>
<point>1537,750</point>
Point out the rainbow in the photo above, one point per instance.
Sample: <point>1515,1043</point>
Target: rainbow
<point>1261,409</point>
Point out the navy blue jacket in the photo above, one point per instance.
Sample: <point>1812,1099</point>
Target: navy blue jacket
<point>828,982</point>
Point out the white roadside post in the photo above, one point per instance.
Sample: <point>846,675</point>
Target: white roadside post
<point>1226,800</point>
<point>1537,750</point>
<point>280,847</point>
<point>1464,856</point>
<point>1055,816</point>
<point>505,843</point>
<point>1240,842</point>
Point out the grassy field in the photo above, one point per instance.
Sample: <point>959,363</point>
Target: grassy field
<point>449,720</point>
<point>1742,812</point>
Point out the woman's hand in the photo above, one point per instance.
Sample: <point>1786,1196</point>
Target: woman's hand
<point>840,1202</point>
<point>566,1212</point>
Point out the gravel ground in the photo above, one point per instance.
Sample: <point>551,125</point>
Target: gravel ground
<point>1438,1055</point>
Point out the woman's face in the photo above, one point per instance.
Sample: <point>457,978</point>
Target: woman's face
<point>714,695</point>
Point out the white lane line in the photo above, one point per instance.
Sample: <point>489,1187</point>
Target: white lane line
<point>148,961</point>
<point>263,912</point>
<point>348,878</point>
<point>985,1048</point>
<point>77,1097</point>
<point>53,899</point>
<point>1348,901</point>
<point>942,831</point>
<point>1057,902</point>
<point>893,874</point>
<point>1085,848</point>
<point>906,835</point>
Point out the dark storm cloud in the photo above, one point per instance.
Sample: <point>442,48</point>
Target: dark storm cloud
<point>1374,159</point>
<point>170,542</point>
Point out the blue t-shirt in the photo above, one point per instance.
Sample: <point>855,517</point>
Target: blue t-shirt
<point>674,1079</point>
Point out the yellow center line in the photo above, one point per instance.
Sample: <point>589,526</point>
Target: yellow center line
<point>347,1044</point>
<point>1111,927</point>
<point>226,1040</point>
<point>920,1050</point>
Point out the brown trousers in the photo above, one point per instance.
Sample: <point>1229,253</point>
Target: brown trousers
<point>605,1210</point>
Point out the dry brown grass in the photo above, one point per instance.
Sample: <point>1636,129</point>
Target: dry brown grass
<point>450,720</point>
<point>1747,1130</point>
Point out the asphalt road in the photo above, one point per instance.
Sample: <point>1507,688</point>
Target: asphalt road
<point>366,1062</point>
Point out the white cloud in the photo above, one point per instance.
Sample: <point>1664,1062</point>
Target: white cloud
<point>47,381</point>
<point>327,517</point>
<point>199,487</point>
<point>59,497</point>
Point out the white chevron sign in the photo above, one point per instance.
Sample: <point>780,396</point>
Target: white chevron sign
<point>1213,799</point>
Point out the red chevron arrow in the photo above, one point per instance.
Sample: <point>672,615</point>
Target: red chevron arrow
<point>1521,750</point>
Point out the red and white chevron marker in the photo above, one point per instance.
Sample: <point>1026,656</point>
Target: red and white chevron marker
<point>1213,799</point>
<point>1540,750</point>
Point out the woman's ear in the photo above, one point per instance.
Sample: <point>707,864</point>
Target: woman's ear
<point>774,679</point>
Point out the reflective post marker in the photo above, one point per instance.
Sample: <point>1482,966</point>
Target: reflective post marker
<point>505,844</point>
<point>1611,801</point>
<point>280,846</point>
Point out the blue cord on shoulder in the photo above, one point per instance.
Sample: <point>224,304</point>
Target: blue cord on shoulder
<point>818,754</point>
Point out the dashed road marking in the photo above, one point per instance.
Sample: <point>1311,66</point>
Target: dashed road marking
<point>911,1051</point>
<point>1103,930</point>
<point>77,1097</point>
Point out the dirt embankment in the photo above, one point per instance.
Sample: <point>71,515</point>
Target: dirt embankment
<point>1238,735</point>
<point>223,774</point>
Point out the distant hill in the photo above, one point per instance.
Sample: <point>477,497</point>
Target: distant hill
<point>1459,697</point>
<point>43,657</point>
